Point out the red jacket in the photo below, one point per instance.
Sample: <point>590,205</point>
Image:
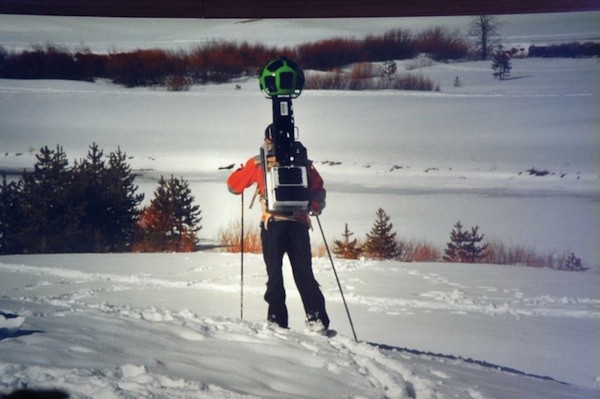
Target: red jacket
<point>251,173</point>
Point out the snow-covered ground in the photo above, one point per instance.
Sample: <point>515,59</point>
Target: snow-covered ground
<point>168,325</point>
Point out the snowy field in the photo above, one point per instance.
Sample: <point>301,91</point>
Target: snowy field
<point>168,325</point>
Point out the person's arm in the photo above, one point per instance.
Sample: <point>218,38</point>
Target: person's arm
<point>244,177</point>
<point>317,190</point>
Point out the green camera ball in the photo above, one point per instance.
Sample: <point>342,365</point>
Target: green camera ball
<point>281,77</point>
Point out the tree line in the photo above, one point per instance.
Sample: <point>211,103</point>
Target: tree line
<point>464,246</point>
<point>92,206</point>
<point>221,61</point>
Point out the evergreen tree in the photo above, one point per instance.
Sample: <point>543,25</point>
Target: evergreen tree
<point>172,220</point>
<point>346,248</point>
<point>91,207</point>
<point>123,214</point>
<point>501,64</point>
<point>90,177</point>
<point>458,237</point>
<point>465,246</point>
<point>108,194</point>
<point>10,217</point>
<point>381,241</point>
<point>50,215</point>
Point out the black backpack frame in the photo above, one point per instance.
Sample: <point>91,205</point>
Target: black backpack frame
<point>284,162</point>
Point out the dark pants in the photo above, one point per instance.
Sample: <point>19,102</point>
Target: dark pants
<point>291,237</point>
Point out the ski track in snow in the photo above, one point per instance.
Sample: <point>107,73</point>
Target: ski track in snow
<point>379,374</point>
<point>374,372</point>
<point>488,300</point>
<point>456,300</point>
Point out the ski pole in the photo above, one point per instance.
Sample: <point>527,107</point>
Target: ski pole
<point>242,261</point>
<point>337,279</point>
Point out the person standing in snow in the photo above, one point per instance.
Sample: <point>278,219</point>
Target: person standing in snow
<point>283,233</point>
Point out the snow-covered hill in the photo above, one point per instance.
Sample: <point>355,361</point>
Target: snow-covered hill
<point>122,34</point>
<point>168,325</point>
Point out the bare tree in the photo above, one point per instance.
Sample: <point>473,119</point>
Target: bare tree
<point>484,29</point>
